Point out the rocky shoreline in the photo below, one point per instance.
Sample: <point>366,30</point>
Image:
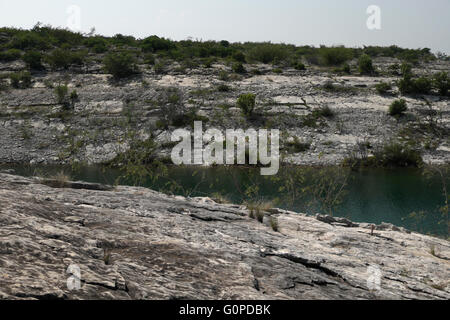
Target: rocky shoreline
<point>135,243</point>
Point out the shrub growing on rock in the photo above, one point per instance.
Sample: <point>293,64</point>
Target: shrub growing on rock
<point>442,83</point>
<point>61,93</point>
<point>64,58</point>
<point>33,60</point>
<point>383,87</point>
<point>238,68</point>
<point>246,102</point>
<point>120,65</point>
<point>365,65</point>
<point>267,53</point>
<point>334,56</point>
<point>398,107</point>
<point>10,55</point>
<point>398,155</point>
<point>20,80</point>
<point>239,56</point>
<point>300,66</point>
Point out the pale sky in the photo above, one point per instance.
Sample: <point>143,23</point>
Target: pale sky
<point>407,23</point>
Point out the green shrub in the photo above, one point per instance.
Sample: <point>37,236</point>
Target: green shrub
<point>277,70</point>
<point>296,145</point>
<point>159,68</point>
<point>20,80</point>
<point>398,155</point>
<point>326,112</point>
<point>74,96</point>
<point>398,107</point>
<point>149,59</point>
<point>267,53</point>
<point>29,40</point>
<point>442,83</point>
<point>334,56</point>
<point>155,44</point>
<point>406,70</point>
<point>346,68</point>
<point>223,88</point>
<point>365,65</point>
<point>63,58</point>
<point>33,60</point>
<point>97,44</point>
<point>120,65</point>
<point>239,56</point>
<point>246,102</point>
<point>422,85</point>
<point>238,68</point>
<point>300,66</point>
<point>61,93</point>
<point>383,87</point>
<point>223,75</point>
<point>10,55</point>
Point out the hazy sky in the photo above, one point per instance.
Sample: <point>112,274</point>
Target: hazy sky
<point>407,23</point>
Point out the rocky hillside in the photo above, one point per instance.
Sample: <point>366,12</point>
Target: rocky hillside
<point>325,116</point>
<point>134,243</point>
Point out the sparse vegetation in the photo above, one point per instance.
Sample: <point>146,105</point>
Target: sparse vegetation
<point>398,107</point>
<point>120,65</point>
<point>383,87</point>
<point>365,65</point>
<point>246,102</point>
<point>20,80</point>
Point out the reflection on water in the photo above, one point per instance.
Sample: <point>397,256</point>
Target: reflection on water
<point>373,195</point>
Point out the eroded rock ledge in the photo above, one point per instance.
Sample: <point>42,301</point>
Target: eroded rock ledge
<point>135,243</point>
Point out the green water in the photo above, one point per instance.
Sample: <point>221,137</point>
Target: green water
<point>373,195</point>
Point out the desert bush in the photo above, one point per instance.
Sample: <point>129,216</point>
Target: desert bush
<point>20,80</point>
<point>296,145</point>
<point>149,59</point>
<point>267,53</point>
<point>238,68</point>
<point>422,85</point>
<point>223,75</point>
<point>383,87</point>
<point>155,44</point>
<point>10,55</point>
<point>61,94</point>
<point>29,40</point>
<point>223,88</point>
<point>365,65</point>
<point>398,155</point>
<point>120,64</point>
<point>442,83</point>
<point>33,60</point>
<point>64,58</point>
<point>398,107</point>
<point>246,102</point>
<point>97,44</point>
<point>325,112</point>
<point>346,68</point>
<point>334,56</point>
<point>406,70</point>
<point>239,56</point>
<point>300,66</point>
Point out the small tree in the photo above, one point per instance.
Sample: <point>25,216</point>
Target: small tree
<point>246,102</point>
<point>20,80</point>
<point>62,97</point>
<point>120,65</point>
<point>238,68</point>
<point>398,107</point>
<point>442,83</point>
<point>33,60</point>
<point>365,65</point>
